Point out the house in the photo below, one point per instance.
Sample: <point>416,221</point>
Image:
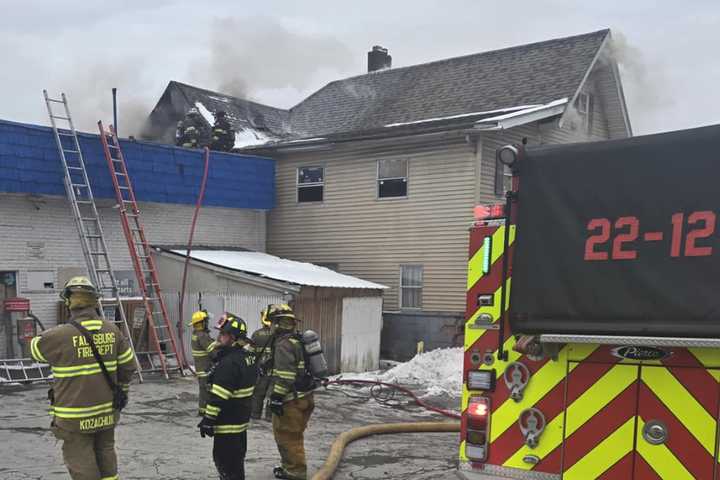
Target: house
<point>345,311</point>
<point>40,245</point>
<point>377,174</point>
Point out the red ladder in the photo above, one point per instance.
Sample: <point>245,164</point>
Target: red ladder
<point>161,333</point>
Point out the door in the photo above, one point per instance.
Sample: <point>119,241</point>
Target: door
<point>601,406</point>
<point>676,428</point>
<point>642,422</point>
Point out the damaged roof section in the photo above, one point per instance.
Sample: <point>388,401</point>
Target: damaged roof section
<point>506,85</point>
<point>254,123</point>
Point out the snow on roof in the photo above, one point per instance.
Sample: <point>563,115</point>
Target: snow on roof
<point>278,268</point>
<point>463,115</point>
<point>249,137</point>
<point>532,109</point>
<point>207,114</point>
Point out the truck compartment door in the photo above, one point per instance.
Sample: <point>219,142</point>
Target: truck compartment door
<point>677,423</point>
<point>600,423</point>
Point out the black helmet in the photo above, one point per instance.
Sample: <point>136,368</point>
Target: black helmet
<point>232,324</point>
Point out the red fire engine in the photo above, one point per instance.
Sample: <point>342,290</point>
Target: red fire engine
<point>592,337</point>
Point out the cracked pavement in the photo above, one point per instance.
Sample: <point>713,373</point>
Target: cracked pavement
<point>157,437</point>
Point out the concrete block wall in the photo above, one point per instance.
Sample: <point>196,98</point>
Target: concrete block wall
<point>37,233</point>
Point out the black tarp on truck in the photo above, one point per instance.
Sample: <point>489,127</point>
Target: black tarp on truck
<point>619,237</point>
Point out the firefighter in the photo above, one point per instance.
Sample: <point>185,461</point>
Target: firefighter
<point>84,406</point>
<point>231,383</point>
<point>262,346</point>
<point>223,136</point>
<point>179,132</point>
<point>201,347</point>
<point>291,400</point>
<point>195,130</point>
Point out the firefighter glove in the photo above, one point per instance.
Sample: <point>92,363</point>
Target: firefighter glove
<point>207,427</point>
<point>276,405</point>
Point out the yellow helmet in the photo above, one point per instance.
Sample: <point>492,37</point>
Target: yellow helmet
<point>199,316</point>
<point>282,315</point>
<point>264,319</point>
<point>78,284</point>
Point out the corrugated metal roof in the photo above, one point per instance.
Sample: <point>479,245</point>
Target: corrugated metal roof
<point>277,268</point>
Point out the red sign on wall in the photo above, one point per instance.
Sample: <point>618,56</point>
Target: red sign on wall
<point>16,304</point>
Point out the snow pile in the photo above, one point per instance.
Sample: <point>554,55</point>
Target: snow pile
<point>248,137</point>
<point>437,372</point>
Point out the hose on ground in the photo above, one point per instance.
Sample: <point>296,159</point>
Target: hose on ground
<point>336,451</point>
<point>406,391</point>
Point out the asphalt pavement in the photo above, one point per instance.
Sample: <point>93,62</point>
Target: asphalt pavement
<point>158,439</point>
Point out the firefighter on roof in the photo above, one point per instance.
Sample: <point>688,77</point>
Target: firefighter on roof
<point>201,347</point>
<point>231,383</point>
<point>262,340</point>
<point>195,132</point>
<point>223,136</point>
<point>291,400</point>
<point>85,408</point>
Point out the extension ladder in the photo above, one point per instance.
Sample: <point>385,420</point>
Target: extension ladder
<point>166,355</point>
<point>87,219</point>
<point>23,370</point>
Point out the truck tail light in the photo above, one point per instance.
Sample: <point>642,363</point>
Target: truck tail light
<point>478,428</point>
<point>488,212</point>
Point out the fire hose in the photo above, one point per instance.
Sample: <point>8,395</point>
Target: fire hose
<point>336,450</point>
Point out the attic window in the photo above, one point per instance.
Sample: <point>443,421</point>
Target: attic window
<point>584,106</point>
<point>310,184</point>
<point>392,178</point>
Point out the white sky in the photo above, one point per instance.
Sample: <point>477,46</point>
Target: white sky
<point>279,51</point>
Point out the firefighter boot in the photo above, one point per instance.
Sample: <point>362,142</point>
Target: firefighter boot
<point>280,472</point>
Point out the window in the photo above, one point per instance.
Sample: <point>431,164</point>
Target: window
<point>503,178</point>
<point>411,283</point>
<point>310,184</point>
<point>584,106</point>
<point>392,178</point>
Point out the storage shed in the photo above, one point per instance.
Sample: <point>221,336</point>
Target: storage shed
<point>346,311</point>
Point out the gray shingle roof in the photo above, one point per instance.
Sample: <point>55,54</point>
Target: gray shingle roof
<point>242,114</point>
<point>535,73</point>
<point>528,74</point>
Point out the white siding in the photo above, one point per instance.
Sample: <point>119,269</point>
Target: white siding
<point>362,324</point>
<point>47,221</point>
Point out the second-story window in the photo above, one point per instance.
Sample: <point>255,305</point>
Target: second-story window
<point>310,184</point>
<point>392,178</point>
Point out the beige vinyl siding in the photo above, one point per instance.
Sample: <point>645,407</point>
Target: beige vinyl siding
<point>370,237</point>
<point>607,87</point>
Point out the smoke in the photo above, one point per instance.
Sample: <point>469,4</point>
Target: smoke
<point>89,93</point>
<point>249,57</point>
<point>643,81</point>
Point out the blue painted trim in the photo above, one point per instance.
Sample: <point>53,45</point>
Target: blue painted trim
<point>30,163</point>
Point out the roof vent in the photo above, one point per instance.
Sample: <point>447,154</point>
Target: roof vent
<point>378,59</point>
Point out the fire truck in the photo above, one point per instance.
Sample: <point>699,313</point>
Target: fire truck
<point>592,335</point>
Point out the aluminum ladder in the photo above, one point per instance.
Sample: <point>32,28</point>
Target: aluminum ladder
<point>165,356</point>
<point>23,370</point>
<point>87,219</point>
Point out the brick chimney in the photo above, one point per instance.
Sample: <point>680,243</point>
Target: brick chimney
<point>378,59</point>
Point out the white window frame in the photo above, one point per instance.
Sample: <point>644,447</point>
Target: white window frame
<point>403,287</point>
<point>299,185</point>
<point>378,179</point>
<point>584,109</point>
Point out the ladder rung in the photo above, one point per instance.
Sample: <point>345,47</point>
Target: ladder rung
<point>116,160</point>
<point>60,117</point>
<point>71,151</point>
<point>123,188</point>
<point>54,100</point>
<point>75,168</point>
<point>79,185</point>
<point>120,174</point>
<point>88,219</point>
<point>93,236</point>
